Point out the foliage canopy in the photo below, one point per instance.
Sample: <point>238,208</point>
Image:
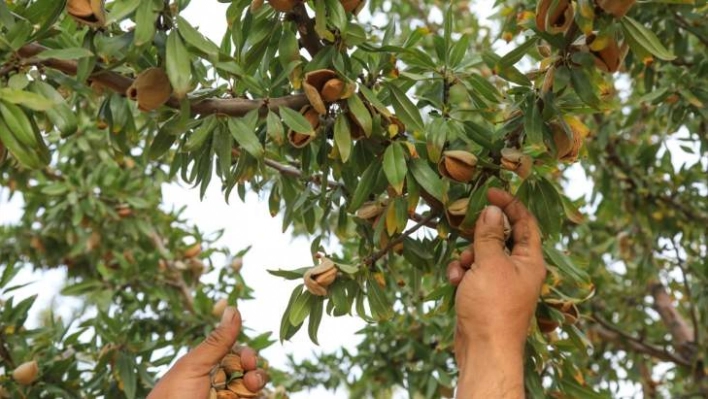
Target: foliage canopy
<point>383,136</point>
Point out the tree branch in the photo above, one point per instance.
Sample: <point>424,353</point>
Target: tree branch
<point>614,159</point>
<point>378,255</point>
<point>681,333</point>
<point>306,26</point>
<point>119,83</point>
<point>608,332</point>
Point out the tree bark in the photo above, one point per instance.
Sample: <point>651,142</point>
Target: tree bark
<point>119,83</point>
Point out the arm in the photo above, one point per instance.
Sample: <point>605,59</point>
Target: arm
<point>496,299</point>
<point>493,370</point>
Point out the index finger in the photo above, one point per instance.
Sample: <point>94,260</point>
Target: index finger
<point>527,238</point>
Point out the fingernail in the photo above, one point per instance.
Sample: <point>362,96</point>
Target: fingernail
<point>228,316</point>
<point>493,215</point>
<point>454,275</point>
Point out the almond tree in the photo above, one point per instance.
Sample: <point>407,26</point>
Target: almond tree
<point>383,137</point>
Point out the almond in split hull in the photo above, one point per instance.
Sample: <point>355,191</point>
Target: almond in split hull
<point>26,373</point>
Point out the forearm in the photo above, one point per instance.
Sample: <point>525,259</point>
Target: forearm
<point>492,371</point>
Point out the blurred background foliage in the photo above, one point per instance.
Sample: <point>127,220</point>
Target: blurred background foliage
<point>378,125</point>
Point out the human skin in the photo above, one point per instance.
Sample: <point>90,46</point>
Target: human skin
<point>189,377</point>
<point>496,299</point>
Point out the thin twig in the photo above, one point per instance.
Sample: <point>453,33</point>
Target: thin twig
<point>378,255</point>
<point>292,171</point>
<point>687,26</point>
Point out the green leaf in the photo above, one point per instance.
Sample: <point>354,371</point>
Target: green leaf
<point>543,200</point>
<point>321,21</point>
<point>275,128</point>
<point>336,15</point>
<point>201,134</point>
<point>381,308</point>
<point>427,178</point>
<point>316,310</point>
<point>161,144</point>
<point>533,122</point>
<point>645,38</point>
<point>222,144</point>
<point>196,40</point>
<point>459,50</point>
<point>365,186</point>
<point>343,137</point>
<point>126,372</point>
<point>70,53</point>
<point>584,88</point>
<point>82,288</point>
<point>287,330</point>
<point>296,121</point>
<point>61,116</point>
<point>121,9</point>
<point>361,114</point>
<point>483,87</point>
<point>246,137</point>
<point>145,18</point>
<point>30,100</point>
<point>517,53</point>
<point>406,111</point>
<point>565,265</point>
<point>178,65</point>
<point>338,296</point>
<point>289,274</point>
<point>44,14</point>
<point>301,308</point>
<point>374,100</point>
<point>394,166</point>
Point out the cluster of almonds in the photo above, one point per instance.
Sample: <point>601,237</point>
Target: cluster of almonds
<point>567,146</point>
<point>325,87</point>
<point>227,380</point>
<point>318,278</point>
<point>87,12</point>
<point>322,87</point>
<point>556,16</point>
<point>353,6</point>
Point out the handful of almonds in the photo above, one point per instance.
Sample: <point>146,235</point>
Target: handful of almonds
<point>227,380</point>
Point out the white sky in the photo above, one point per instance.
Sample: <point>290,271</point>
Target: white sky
<point>250,224</point>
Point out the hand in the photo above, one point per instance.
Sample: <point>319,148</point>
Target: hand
<point>496,299</point>
<point>189,378</point>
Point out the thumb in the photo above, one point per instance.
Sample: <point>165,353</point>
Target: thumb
<point>218,344</point>
<point>489,234</point>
